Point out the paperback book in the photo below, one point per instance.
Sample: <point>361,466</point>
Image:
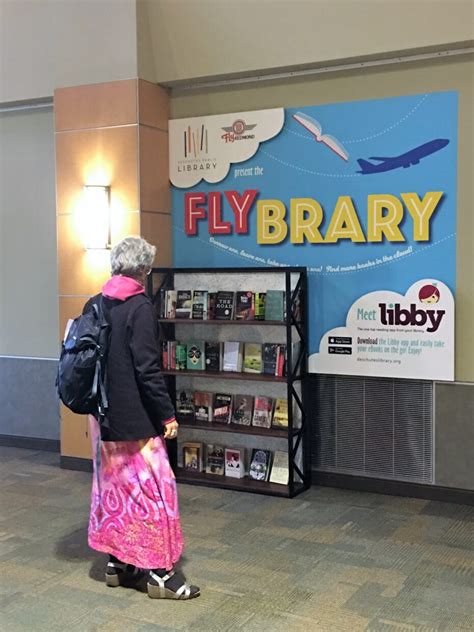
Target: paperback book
<point>244,306</point>
<point>211,305</point>
<point>203,407</point>
<point>242,410</point>
<point>222,408</point>
<point>262,412</point>
<point>161,304</point>
<point>215,461</point>
<point>253,362</point>
<point>270,355</point>
<point>183,304</point>
<point>260,464</point>
<point>185,406</point>
<point>181,355</point>
<point>279,473</point>
<point>275,305</point>
<point>192,456</point>
<point>171,296</point>
<point>213,356</point>
<point>232,357</point>
<point>235,462</point>
<point>224,309</point>
<point>195,360</point>
<point>200,299</point>
<point>259,305</point>
<point>280,413</point>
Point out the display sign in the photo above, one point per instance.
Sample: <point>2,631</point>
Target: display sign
<point>363,194</point>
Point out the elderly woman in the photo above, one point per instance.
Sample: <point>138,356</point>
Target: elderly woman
<point>134,510</point>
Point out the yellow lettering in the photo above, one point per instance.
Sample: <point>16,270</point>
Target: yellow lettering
<point>344,222</point>
<point>271,225</point>
<point>380,224</point>
<point>421,212</point>
<point>306,216</point>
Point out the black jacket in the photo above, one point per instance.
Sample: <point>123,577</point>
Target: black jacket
<point>139,403</point>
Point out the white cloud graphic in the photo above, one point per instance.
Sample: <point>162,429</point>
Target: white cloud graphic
<point>204,148</point>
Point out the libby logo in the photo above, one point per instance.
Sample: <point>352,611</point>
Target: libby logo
<point>396,315</point>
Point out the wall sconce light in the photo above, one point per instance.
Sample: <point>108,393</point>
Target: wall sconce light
<point>95,217</point>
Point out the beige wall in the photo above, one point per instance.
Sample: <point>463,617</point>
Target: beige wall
<point>45,44</point>
<point>442,75</point>
<point>185,39</point>
<point>28,270</point>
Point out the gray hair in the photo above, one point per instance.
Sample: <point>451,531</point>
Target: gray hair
<point>132,256</point>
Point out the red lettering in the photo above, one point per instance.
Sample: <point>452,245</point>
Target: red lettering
<point>192,212</point>
<point>216,225</point>
<point>241,205</point>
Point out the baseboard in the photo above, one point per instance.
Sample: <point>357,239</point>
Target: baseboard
<point>75,463</point>
<point>30,443</point>
<point>394,488</point>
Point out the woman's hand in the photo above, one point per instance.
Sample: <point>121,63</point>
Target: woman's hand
<point>171,430</point>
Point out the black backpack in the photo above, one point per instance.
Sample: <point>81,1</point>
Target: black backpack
<point>81,380</point>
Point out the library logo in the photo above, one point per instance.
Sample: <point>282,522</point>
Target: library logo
<point>237,131</point>
<point>196,142</point>
<point>394,314</point>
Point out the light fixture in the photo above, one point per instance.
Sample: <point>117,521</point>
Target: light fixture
<point>95,217</point>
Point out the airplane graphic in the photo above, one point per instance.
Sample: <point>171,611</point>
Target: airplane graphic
<point>314,127</point>
<point>411,157</point>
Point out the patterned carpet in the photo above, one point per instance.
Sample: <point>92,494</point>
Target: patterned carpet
<point>329,561</point>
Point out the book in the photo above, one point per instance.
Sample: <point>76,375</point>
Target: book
<point>199,311</point>
<point>253,358</point>
<point>164,355</point>
<point>259,300</point>
<point>183,304</point>
<point>242,410</point>
<point>195,360</point>
<point>262,412</point>
<point>235,462</point>
<point>161,304</point>
<point>260,464</point>
<point>213,356</point>
<point>181,357</point>
<point>222,410</point>
<point>280,413</point>
<point>202,406</point>
<point>232,359</point>
<point>171,296</point>
<point>279,473</point>
<point>275,305</point>
<point>185,406</point>
<point>281,361</point>
<point>211,305</point>
<point>224,309</point>
<point>215,459</point>
<point>172,354</point>
<point>244,306</point>
<point>270,355</point>
<point>192,456</point>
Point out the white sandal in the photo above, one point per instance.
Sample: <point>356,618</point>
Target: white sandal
<point>160,591</point>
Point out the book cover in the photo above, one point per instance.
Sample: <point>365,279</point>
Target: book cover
<point>281,361</point>
<point>200,305</point>
<point>211,305</point>
<point>242,410</point>
<point>185,406</point>
<point>259,301</point>
<point>270,354</point>
<point>279,472</point>
<point>171,296</point>
<point>183,303</point>
<point>161,304</point>
<point>181,357</point>
<point>280,413</point>
<point>172,354</point>
<point>203,407</point>
<point>260,464</point>
<point>275,305</point>
<point>213,356</point>
<point>244,306</point>
<point>253,358</point>
<point>215,459</point>
<point>224,308</point>
<point>222,408</point>
<point>165,355</point>
<point>195,360</point>
<point>192,456</point>
<point>232,357</point>
<point>235,462</point>
<point>262,412</point>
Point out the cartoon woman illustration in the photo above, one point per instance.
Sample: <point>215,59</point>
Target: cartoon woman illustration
<point>429,294</point>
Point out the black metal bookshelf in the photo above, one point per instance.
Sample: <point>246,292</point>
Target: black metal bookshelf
<point>296,434</point>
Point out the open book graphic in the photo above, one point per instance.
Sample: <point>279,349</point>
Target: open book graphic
<point>314,127</point>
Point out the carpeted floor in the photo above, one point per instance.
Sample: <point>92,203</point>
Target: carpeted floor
<point>329,560</point>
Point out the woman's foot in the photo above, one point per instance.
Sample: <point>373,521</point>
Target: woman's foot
<point>120,574</point>
<point>163,584</point>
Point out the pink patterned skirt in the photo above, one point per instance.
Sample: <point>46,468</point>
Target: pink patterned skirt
<point>134,503</point>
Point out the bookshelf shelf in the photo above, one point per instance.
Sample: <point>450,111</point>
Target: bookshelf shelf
<point>228,375</point>
<point>281,433</point>
<point>295,436</point>
<point>240,484</point>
